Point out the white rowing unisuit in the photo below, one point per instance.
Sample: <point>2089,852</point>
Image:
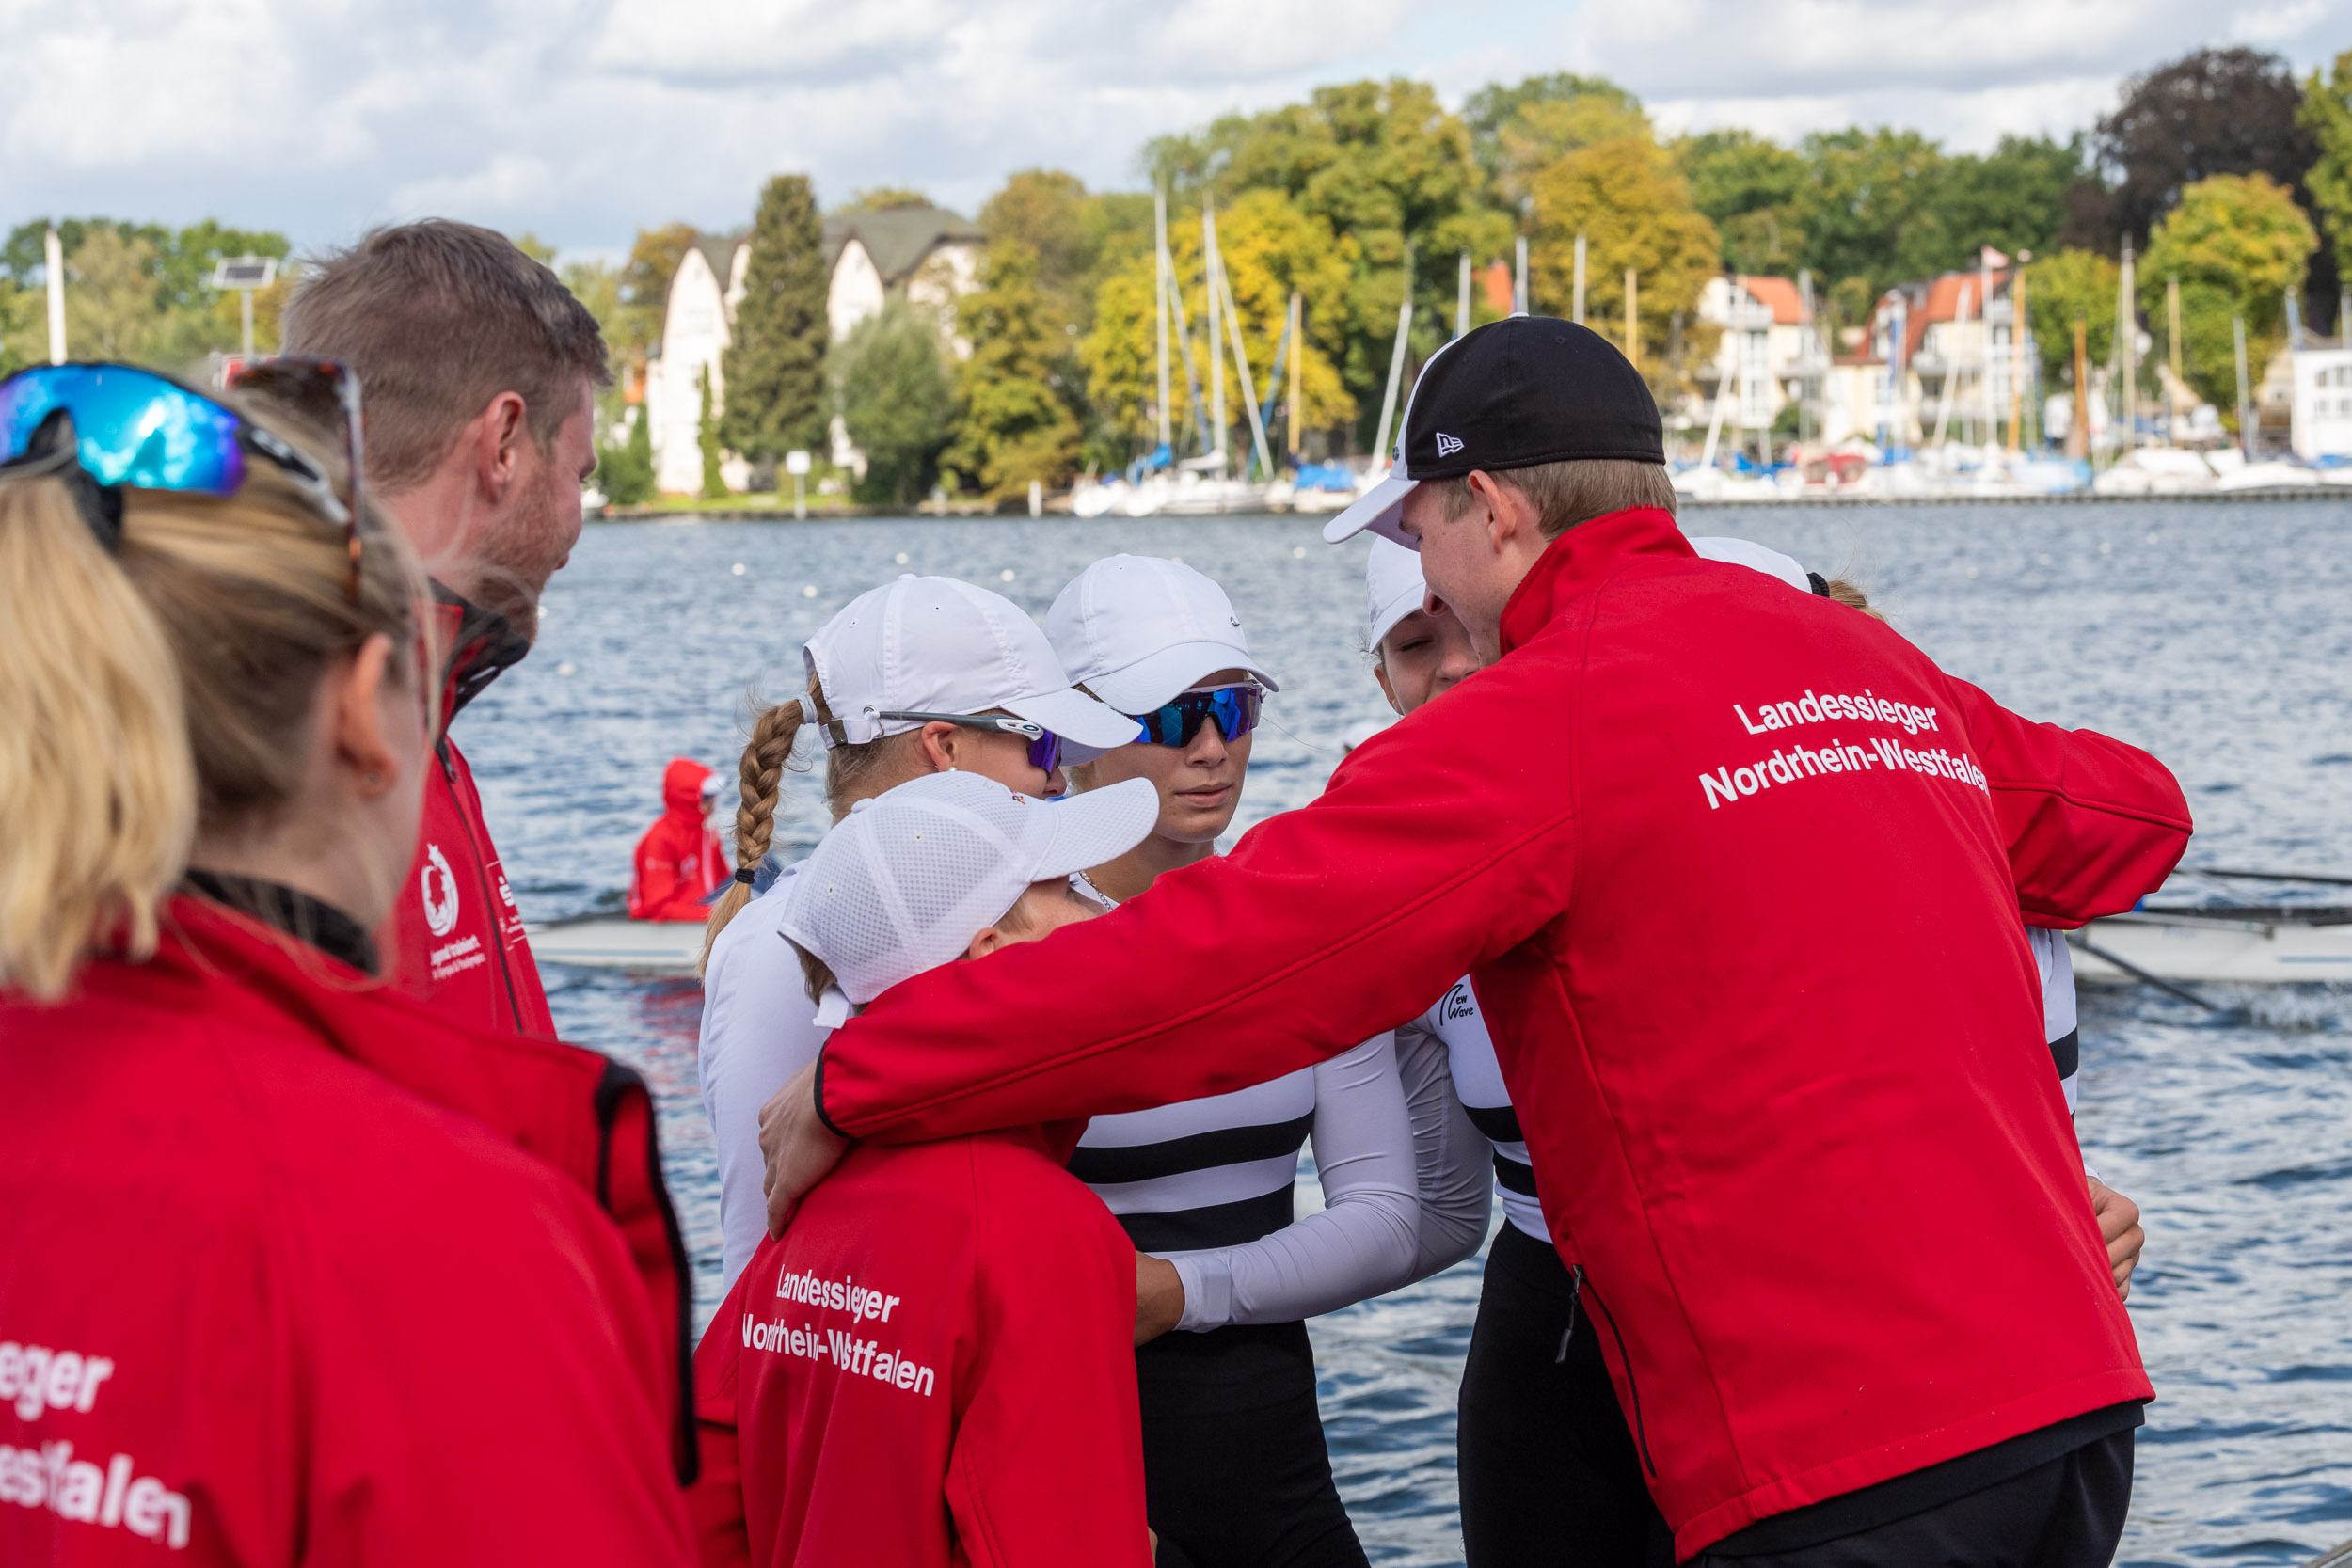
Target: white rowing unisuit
<point>1459,1030</point>
<point>1207,1184</point>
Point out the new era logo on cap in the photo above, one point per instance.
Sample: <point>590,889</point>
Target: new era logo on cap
<point>1448,445</point>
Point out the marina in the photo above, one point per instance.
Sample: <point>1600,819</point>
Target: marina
<point>2208,631</point>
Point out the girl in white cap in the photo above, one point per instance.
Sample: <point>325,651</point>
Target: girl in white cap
<point>1235,1469</point>
<point>920,675</point>
<point>1544,1451</point>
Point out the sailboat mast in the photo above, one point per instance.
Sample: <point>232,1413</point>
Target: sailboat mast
<point>1160,281</point>
<point>1217,349</point>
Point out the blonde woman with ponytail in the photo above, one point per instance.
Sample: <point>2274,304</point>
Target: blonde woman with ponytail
<point>278,1284</point>
<point>920,675</point>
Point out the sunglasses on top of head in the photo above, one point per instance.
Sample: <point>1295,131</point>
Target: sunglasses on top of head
<point>1174,723</point>
<point>1044,745</point>
<point>123,427</point>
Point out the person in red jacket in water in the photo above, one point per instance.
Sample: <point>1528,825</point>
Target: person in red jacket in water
<point>1738,875</point>
<point>934,1366</point>
<point>679,863</point>
<point>296,1269</point>
<point>479,457</point>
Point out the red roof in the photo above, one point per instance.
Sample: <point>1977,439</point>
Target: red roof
<point>1781,294</point>
<point>1942,303</point>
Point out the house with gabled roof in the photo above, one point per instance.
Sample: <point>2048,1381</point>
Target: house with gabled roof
<point>927,255</point>
<point>1768,347</point>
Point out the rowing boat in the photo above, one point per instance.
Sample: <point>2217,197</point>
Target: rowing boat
<point>606,941</point>
<point>2245,944</point>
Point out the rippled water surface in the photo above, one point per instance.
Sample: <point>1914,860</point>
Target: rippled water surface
<point>2216,635</point>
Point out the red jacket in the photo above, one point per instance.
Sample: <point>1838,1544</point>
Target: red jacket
<point>317,1304</point>
<point>680,862</point>
<point>935,1365</point>
<point>454,939</point>
<point>1737,874</point>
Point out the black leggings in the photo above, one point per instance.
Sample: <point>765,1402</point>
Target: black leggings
<point>1549,1471</point>
<point>1235,1474</point>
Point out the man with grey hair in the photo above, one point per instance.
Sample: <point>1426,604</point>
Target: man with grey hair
<point>479,372</point>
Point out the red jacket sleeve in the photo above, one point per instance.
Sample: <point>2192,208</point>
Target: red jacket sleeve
<point>2092,826</point>
<point>1324,926</point>
<point>1047,1464</point>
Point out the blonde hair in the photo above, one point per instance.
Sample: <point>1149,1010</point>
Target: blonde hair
<point>159,691</point>
<point>1851,595</point>
<point>851,774</point>
<point>1573,492</point>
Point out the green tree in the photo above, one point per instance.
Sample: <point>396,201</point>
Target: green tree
<point>775,368</point>
<point>625,468</point>
<point>1017,424</point>
<point>1270,249</point>
<point>1870,206</point>
<point>644,289</point>
<point>898,400</point>
<point>1518,131</point>
<point>537,248</point>
<point>883,198</point>
<point>706,437</point>
<point>2072,286</point>
<point>19,306</point>
<point>1634,209</point>
<point>2239,244</point>
<point>112,310</point>
<point>2326,117</point>
<point>1746,185</point>
<point>2013,198</point>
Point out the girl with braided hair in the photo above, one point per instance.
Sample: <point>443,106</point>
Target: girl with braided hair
<point>921,676</point>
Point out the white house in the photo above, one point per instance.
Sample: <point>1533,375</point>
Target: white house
<point>927,255</point>
<point>1768,348</point>
<point>2322,419</point>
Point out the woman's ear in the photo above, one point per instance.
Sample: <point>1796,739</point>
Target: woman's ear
<point>937,742</point>
<point>987,939</point>
<point>361,745</point>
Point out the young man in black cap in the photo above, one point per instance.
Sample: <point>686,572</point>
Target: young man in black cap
<point>1737,874</point>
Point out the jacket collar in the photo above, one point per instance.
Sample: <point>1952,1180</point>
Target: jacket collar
<point>293,911</point>
<point>1583,557</point>
<point>481,642</point>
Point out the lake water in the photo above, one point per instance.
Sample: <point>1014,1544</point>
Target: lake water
<point>2216,635</point>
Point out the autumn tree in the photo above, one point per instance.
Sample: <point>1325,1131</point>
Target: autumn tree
<point>644,287</point>
<point>1269,247</point>
<point>897,399</point>
<point>1625,197</point>
<point>1017,426</point>
<point>2239,246</point>
<point>774,369</point>
<point>2073,285</point>
<point>1518,131</point>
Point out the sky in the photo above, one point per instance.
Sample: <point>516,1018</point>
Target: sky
<point>584,120</point>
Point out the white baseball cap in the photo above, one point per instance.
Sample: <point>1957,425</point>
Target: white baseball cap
<point>903,883</point>
<point>1395,586</point>
<point>1136,630</point>
<point>1762,558</point>
<point>1378,508</point>
<point>937,645</point>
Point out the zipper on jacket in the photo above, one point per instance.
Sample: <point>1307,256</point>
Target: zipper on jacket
<point>1632,1390</point>
<point>1576,1292</point>
<point>489,894</point>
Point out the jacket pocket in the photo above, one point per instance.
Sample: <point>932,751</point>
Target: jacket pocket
<point>1633,1386</point>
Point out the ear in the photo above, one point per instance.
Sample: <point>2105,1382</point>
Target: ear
<point>987,939</point>
<point>500,431</point>
<point>938,742</point>
<point>361,747</point>
<point>1380,674</point>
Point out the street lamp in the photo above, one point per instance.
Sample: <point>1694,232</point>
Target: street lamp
<point>245,273</point>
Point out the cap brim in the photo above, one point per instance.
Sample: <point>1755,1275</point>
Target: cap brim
<point>1156,678</point>
<point>1077,718</point>
<point>1394,611</point>
<point>1376,509</point>
<point>1097,826</point>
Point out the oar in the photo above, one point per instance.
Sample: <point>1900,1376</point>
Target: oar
<point>2076,939</point>
<point>2271,876</point>
<point>2339,1557</point>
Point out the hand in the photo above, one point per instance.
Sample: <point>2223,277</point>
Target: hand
<point>2119,1224</point>
<point>1159,1297</point>
<point>799,1149</point>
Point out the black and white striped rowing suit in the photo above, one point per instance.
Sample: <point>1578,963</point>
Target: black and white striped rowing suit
<point>1235,1469</point>
<point>1543,1454</point>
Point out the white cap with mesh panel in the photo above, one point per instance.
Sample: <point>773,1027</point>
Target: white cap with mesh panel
<point>1393,582</point>
<point>1136,630</point>
<point>904,882</point>
<point>938,646</point>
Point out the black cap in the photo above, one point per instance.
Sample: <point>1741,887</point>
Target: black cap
<point>1512,394</point>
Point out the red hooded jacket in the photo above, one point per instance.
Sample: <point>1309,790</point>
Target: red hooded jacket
<point>1738,876</point>
<point>278,1283</point>
<point>935,1367</point>
<point>454,939</point>
<point>680,862</point>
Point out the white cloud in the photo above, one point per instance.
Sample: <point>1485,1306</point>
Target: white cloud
<point>585,119</point>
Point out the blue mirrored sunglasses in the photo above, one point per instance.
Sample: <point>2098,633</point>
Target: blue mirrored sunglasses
<point>1234,708</point>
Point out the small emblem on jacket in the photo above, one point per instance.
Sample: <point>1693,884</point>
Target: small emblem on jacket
<point>438,886</point>
<point>1448,445</point>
